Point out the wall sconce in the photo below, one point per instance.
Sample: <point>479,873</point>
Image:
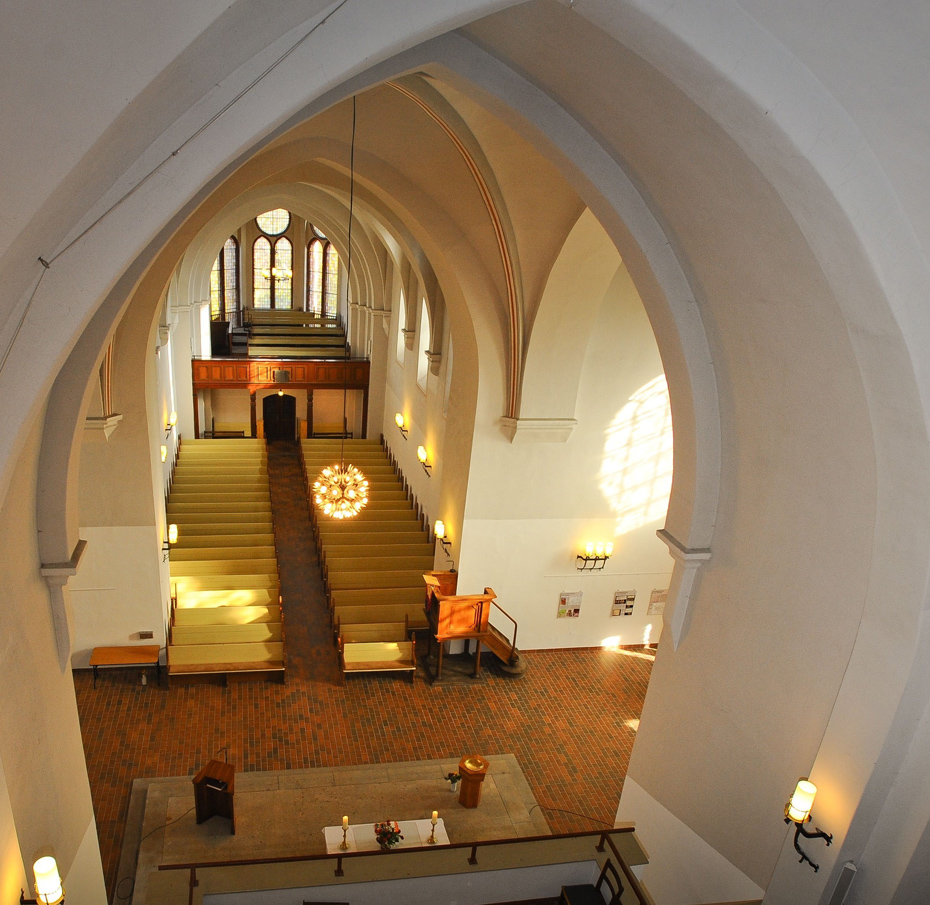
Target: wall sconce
<point>439,530</point>
<point>172,539</point>
<point>172,421</point>
<point>595,556</point>
<point>421,455</point>
<point>164,453</point>
<point>49,888</point>
<point>798,811</point>
<point>401,424</point>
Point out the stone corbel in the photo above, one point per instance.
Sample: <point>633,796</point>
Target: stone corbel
<point>408,338</point>
<point>538,430</point>
<point>435,360</point>
<point>688,561</point>
<point>107,424</point>
<point>56,575</point>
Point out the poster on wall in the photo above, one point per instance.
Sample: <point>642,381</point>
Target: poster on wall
<point>623,603</point>
<point>569,605</point>
<point>657,602</point>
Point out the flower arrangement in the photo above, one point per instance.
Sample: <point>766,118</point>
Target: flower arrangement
<point>388,833</point>
<point>453,779</point>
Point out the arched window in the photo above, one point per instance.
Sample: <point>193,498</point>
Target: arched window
<point>423,348</point>
<point>273,275</point>
<point>224,282</point>
<point>315,277</point>
<point>401,326</point>
<point>322,277</point>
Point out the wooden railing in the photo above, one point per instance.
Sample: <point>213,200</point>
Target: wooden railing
<point>603,837</point>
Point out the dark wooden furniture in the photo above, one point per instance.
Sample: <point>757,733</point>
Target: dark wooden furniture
<point>214,788</point>
<point>590,893</point>
<point>138,655</point>
<point>472,768</point>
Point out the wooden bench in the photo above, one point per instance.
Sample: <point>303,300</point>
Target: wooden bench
<point>228,615</point>
<point>376,551</point>
<point>241,551</point>
<point>386,612</point>
<point>373,631</point>
<point>229,598</point>
<point>376,596</point>
<point>138,655</point>
<point>224,633</point>
<point>355,565</point>
<point>226,659</point>
<point>378,656</point>
<point>377,579</point>
<point>185,583</point>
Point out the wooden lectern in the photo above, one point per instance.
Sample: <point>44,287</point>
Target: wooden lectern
<point>472,768</point>
<point>214,787</point>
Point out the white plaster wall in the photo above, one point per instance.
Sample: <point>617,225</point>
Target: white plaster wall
<point>683,869</point>
<point>532,506</point>
<point>115,593</point>
<point>529,562</point>
<point>12,870</point>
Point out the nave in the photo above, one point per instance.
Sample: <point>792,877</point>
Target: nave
<point>570,721</point>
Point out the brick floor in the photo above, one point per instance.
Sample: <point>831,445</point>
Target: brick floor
<point>567,720</point>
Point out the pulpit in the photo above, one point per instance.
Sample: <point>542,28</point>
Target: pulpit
<point>472,768</point>
<point>214,787</point>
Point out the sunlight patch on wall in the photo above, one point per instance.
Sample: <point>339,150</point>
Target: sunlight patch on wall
<point>636,471</point>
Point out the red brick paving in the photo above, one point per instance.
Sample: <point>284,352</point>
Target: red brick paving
<point>565,720</point>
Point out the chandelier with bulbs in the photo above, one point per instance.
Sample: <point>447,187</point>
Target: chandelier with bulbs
<point>341,491</point>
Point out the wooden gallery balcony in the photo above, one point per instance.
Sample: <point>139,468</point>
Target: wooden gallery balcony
<point>279,374</point>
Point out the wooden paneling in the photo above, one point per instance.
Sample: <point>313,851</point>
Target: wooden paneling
<point>215,373</point>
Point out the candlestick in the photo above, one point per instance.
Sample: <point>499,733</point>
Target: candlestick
<point>432,835</point>
<point>344,845</point>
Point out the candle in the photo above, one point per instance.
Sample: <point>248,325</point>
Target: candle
<point>435,817</point>
<point>345,822</point>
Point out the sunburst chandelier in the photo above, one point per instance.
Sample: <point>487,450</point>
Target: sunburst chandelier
<point>341,491</point>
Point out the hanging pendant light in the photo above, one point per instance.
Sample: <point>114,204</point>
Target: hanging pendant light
<point>341,491</point>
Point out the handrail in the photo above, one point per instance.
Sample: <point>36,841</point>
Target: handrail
<point>473,846</point>
<point>634,883</point>
<point>513,644</point>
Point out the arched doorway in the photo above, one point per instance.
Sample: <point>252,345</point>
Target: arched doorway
<point>279,412</point>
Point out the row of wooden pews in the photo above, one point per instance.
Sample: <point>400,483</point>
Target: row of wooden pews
<point>373,564</point>
<point>226,615</point>
<point>293,334</point>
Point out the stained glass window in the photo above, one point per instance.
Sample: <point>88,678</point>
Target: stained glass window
<point>331,282</point>
<point>273,223</point>
<point>283,274</point>
<point>261,266</point>
<point>315,277</point>
<point>322,277</point>
<point>224,282</point>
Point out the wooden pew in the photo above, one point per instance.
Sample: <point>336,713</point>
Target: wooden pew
<point>375,579</point>
<point>231,615</point>
<point>379,564</point>
<point>373,631</point>
<point>265,657</point>
<point>234,597</point>
<point>385,612</point>
<point>226,633</point>
<point>378,656</point>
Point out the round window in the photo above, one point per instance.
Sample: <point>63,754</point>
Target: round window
<point>273,223</point>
